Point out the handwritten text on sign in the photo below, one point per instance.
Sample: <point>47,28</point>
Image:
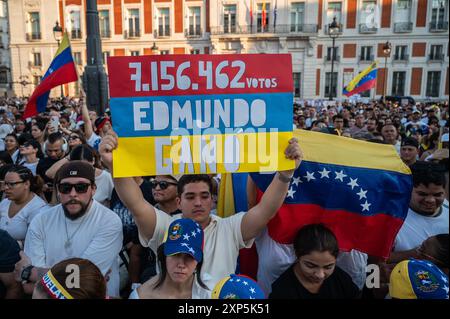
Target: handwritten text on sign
<point>184,114</point>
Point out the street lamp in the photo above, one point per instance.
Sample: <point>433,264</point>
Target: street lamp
<point>154,48</point>
<point>387,53</point>
<point>333,32</point>
<point>58,34</point>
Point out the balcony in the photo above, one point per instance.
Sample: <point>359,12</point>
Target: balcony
<point>131,34</point>
<point>365,28</point>
<point>33,36</point>
<point>327,58</point>
<point>435,57</point>
<point>401,57</point>
<point>105,33</point>
<point>75,34</point>
<point>34,65</point>
<point>366,59</point>
<point>193,33</point>
<point>403,27</point>
<point>269,29</point>
<point>161,32</point>
<point>325,29</point>
<point>440,26</point>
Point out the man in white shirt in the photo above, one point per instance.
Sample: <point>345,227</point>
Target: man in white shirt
<point>223,236</point>
<point>428,211</point>
<point>78,227</point>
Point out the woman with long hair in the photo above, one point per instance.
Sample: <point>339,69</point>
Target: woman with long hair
<point>38,132</point>
<point>12,145</point>
<point>180,259</point>
<point>22,203</point>
<point>53,285</point>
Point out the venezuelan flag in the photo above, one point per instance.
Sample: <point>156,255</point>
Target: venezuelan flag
<point>363,81</point>
<point>62,70</point>
<point>358,189</point>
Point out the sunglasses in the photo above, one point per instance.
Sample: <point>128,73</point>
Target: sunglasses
<point>162,184</point>
<point>66,188</point>
<point>73,137</point>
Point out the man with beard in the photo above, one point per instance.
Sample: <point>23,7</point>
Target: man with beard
<point>78,227</point>
<point>428,211</point>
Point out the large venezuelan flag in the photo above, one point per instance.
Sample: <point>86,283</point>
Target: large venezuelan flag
<point>360,190</point>
<point>62,70</point>
<point>363,81</point>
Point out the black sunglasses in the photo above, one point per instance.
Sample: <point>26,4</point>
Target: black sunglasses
<point>66,188</point>
<point>162,184</point>
<point>73,137</point>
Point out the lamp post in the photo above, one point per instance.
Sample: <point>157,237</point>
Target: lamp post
<point>154,48</point>
<point>58,34</point>
<point>387,53</point>
<point>333,32</point>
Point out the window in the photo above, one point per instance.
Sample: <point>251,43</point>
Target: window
<point>229,18</point>
<point>368,15</point>
<point>433,83</point>
<point>37,59</point>
<point>366,53</point>
<point>403,12</point>
<point>163,22</point>
<point>401,52</point>
<point>36,80</point>
<point>77,58</point>
<point>263,17</point>
<point>104,23</point>
<point>194,21</point>
<point>133,23</point>
<point>105,56</point>
<point>331,86</point>
<point>195,51</point>
<point>297,16</point>
<point>334,10</point>
<point>164,52</point>
<point>134,53</point>
<point>3,10</point>
<point>35,26</point>
<point>331,52</point>
<point>398,84</point>
<point>436,52</point>
<point>438,12</point>
<point>74,24</point>
<point>297,79</point>
<point>3,76</point>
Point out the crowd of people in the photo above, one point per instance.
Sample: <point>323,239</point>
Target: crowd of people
<point>153,237</point>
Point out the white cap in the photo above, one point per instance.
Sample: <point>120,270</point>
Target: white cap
<point>444,138</point>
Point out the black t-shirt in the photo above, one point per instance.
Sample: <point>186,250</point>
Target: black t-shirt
<point>42,167</point>
<point>338,286</point>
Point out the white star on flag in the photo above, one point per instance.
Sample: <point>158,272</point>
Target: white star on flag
<point>198,230</point>
<point>252,290</point>
<point>445,289</point>
<point>444,279</point>
<point>309,176</point>
<point>340,175</point>
<point>191,250</point>
<point>245,283</point>
<point>365,206</point>
<point>324,173</point>
<point>362,194</point>
<point>296,180</point>
<point>291,193</point>
<point>238,280</point>
<point>231,280</point>
<point>353,182</point>
<point>186,236</point>
<point>184,244</point>
<point>193,233</point>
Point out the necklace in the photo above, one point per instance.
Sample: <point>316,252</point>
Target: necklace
<point>68,243</point>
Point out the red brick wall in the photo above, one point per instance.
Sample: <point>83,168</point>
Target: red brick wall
<point>178,16</point>
<point>380,80</point>
<point>419,49</point>
<point>319,51</point>
<point>119,52</point>
<point>319,18</point>
<point>61,14</point>
<point>178,51</point>
<point>148,18</point>
<point>318,82</point>
<point>118,16</point>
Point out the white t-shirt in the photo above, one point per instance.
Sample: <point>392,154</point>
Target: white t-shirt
<point>222,241</point>
<point>94,141</point>
<point>418,228</point>
<point>105,187</point>
<point>31,166</point>
<point>96,236</point>
<point>18,225</point>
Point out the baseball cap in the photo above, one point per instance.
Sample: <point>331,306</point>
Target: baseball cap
<point>237,287</point>
<point>185,236</point>
<point>100,122</point>
<point>9,252</point>
<point>410,141</point>
<point>418,279</point>
<point>76,169</point>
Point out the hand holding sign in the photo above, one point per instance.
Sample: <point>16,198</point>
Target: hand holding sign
<point>108,144</point>
<point>293,152</point>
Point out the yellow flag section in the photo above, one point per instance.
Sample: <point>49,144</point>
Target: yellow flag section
<point>201,154</point>
<point>225,202</point>
<point>338,150</point>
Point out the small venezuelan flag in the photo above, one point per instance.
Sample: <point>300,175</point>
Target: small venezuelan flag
<point>363,81</point>
<point>62,70</point>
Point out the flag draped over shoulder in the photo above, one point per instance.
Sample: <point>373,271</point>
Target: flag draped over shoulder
<point>358,189</point>
<point>363,81</point>
<point>62,70</point>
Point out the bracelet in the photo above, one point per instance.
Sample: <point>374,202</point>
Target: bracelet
<point>284,178</point>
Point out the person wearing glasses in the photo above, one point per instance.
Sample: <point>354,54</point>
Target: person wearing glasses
<point>78,227</point>
<point>32,153</point>
<point>75,138</point>
<point>164,190</point>
<point>21,203</point>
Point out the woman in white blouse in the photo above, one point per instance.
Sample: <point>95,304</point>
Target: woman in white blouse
<point>21,204</point>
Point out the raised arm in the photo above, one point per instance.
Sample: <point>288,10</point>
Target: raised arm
<point>51,172</point>
<point>129,192</point>
<point>88,130</point>
<point>257,217</point>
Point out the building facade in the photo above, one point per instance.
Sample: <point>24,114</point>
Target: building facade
<point>416,29</point>
<point>5,60</point>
